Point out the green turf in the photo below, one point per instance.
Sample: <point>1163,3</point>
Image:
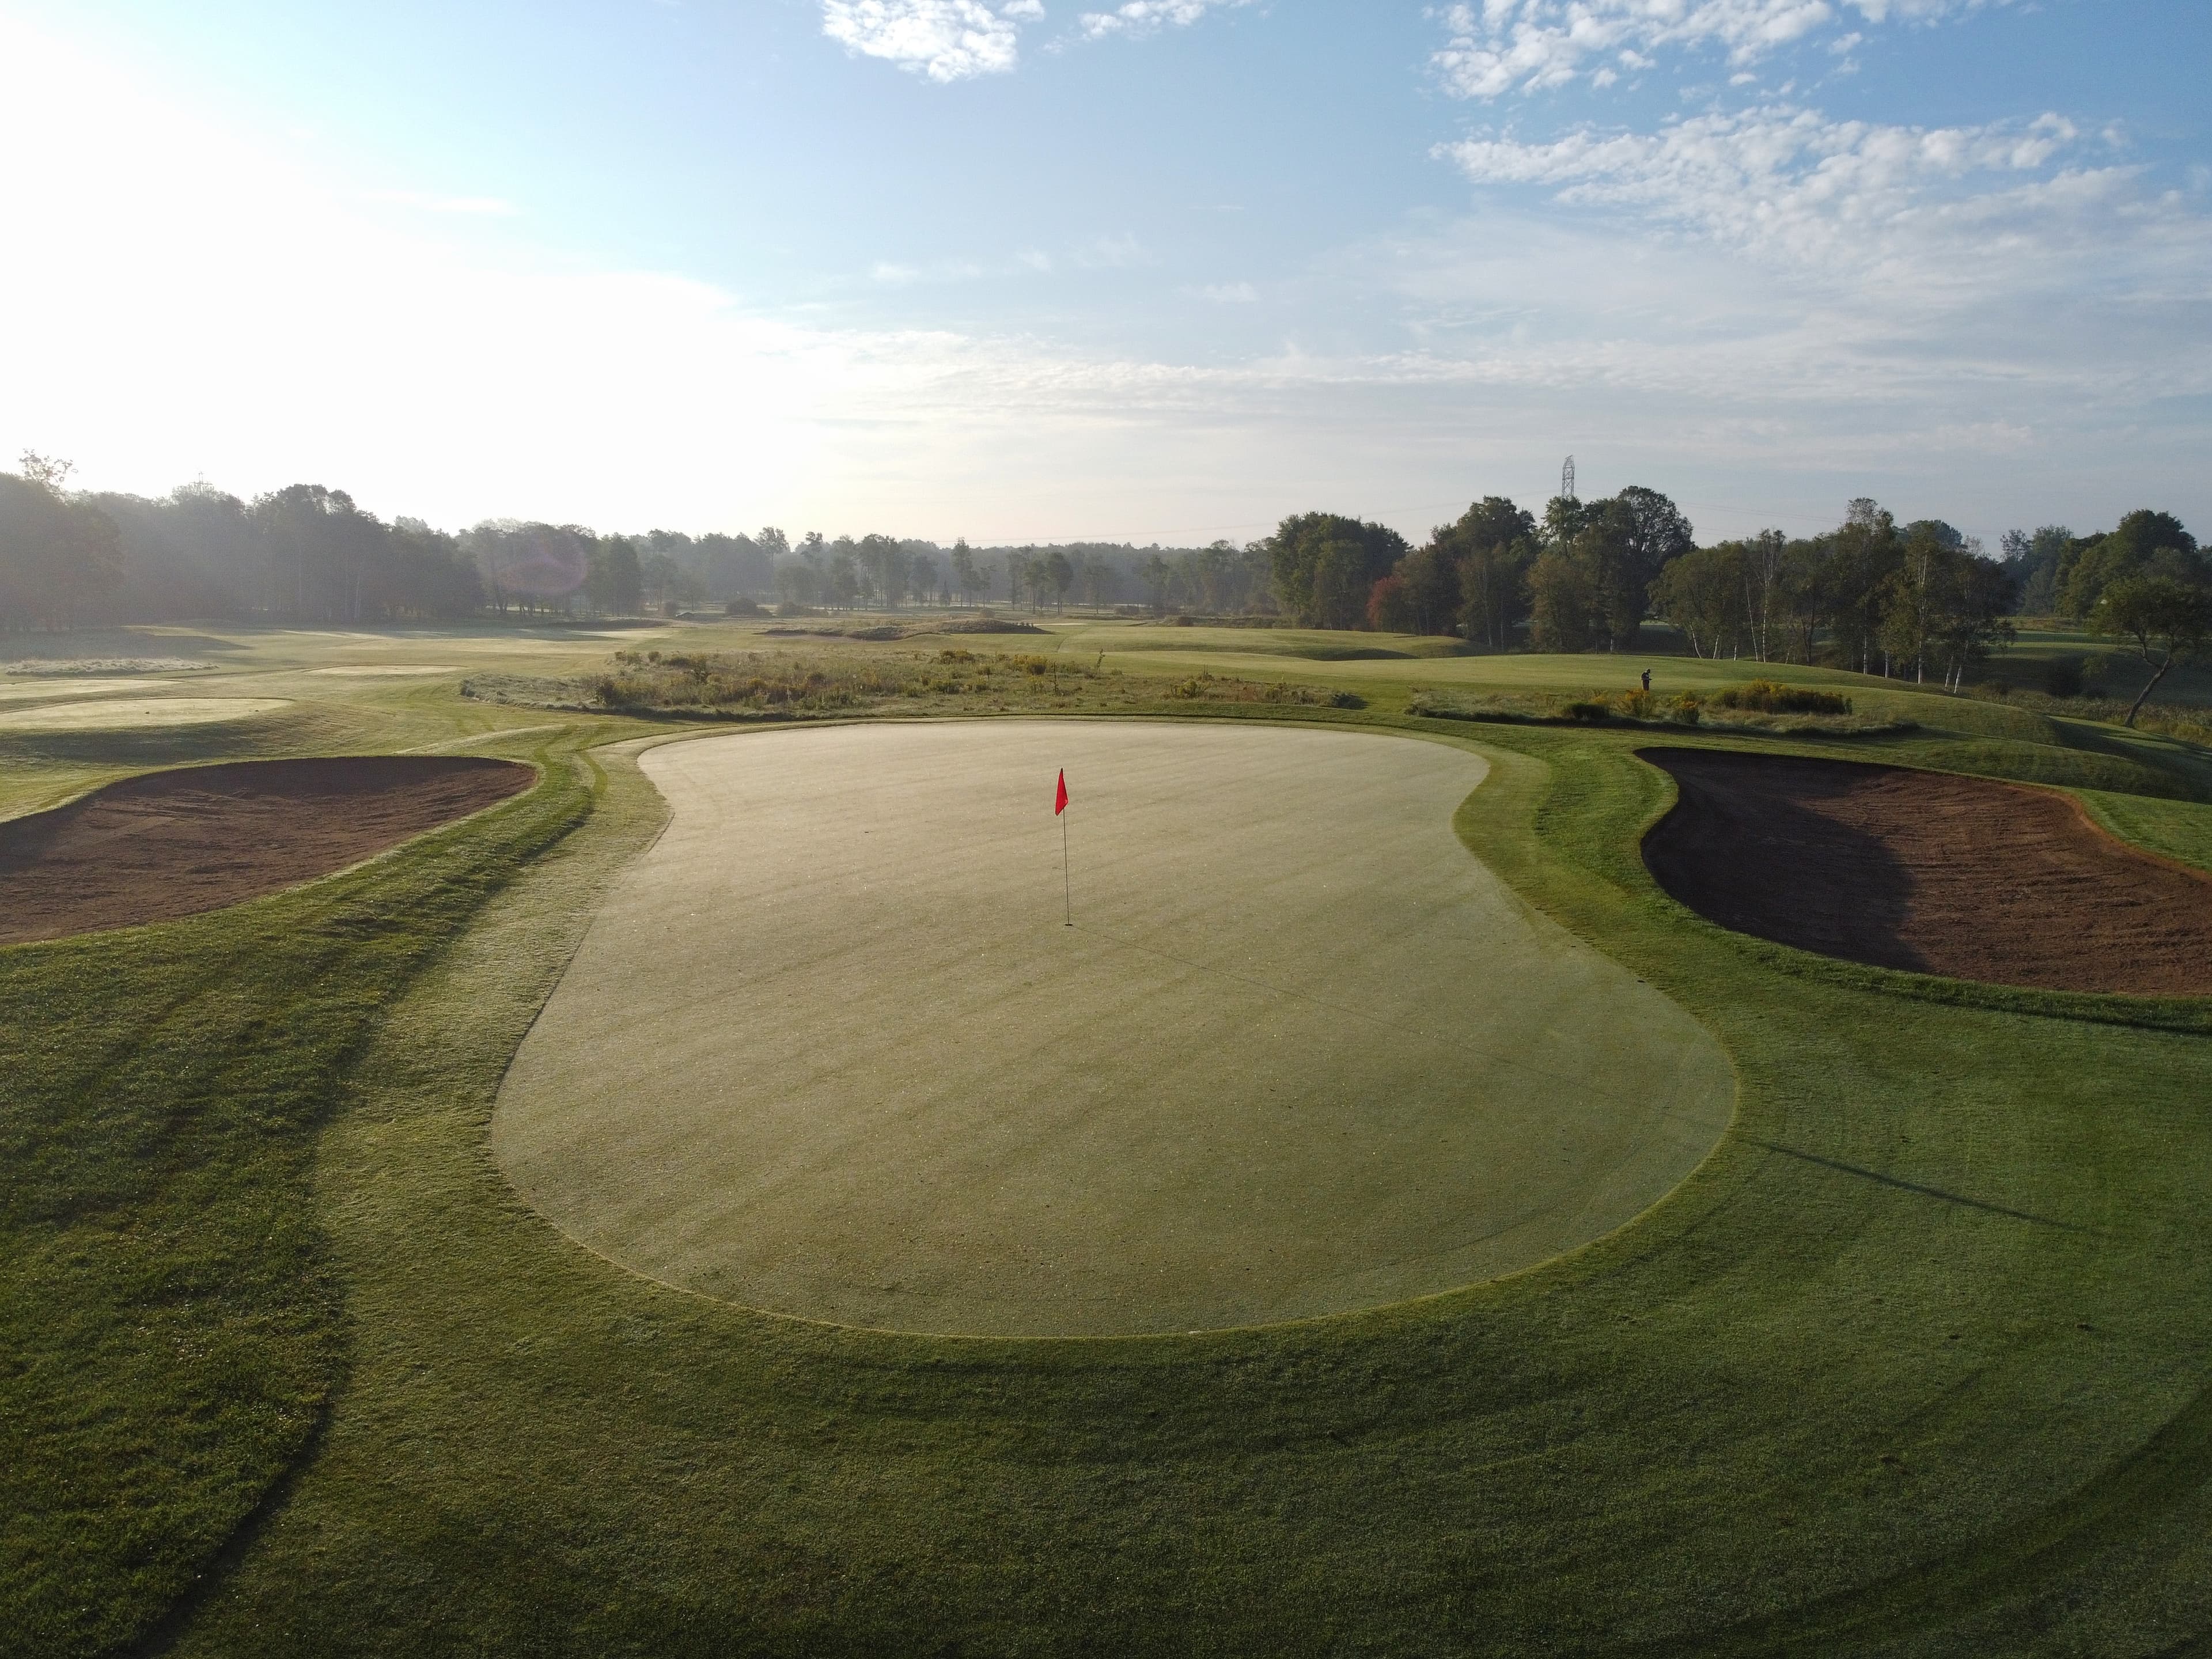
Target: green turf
<point>1912,1366</point>
<point>2044,640</point>
<point>843,1046</point>
<point>175,1334</point>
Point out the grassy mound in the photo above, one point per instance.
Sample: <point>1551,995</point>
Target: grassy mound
<point>1768,697</point>
<point>953,679</point>
<point>1214,688</point>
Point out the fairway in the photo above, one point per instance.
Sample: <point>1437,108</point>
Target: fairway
<point>73,686</point>
<point>830,1050</point>
<point>131,714</point>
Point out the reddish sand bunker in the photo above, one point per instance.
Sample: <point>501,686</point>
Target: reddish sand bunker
<point>175,843</point>
<point>1928,872</point>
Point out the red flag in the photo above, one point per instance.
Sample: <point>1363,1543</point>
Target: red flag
<point>1060,797</point>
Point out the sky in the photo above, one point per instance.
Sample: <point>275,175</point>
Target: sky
<point>1164,270</point>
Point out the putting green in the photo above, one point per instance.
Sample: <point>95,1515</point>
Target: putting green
<point>830,1050</point>
<point>133,715</point>
<point>49,689</point>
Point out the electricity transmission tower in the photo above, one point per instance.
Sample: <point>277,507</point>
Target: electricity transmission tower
<point>1567,479</point>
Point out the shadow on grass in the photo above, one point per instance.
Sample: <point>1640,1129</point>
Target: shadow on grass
<point>1910,1185</point>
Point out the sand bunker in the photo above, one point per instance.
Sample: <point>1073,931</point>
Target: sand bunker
<point>175,843</point>
<point>1929,873</point>
<point>831,1049</point>
<point>132,714</point>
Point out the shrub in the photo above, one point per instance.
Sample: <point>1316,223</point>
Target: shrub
<point>956,653</point>
<point>2062,677</point>
<point>1767,697</point>
<point>1031,665</point>
<point>1687,711</point>
<point>743,607</point>
<point>1588,708</point>
<point>1212,688</point>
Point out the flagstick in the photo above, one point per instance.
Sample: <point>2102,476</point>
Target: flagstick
<point>1067,881</point>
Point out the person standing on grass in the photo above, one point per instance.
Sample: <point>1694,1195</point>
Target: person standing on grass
<point>1647,679</point>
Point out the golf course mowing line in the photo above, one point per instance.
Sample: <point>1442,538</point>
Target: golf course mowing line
<point>832,1049</point>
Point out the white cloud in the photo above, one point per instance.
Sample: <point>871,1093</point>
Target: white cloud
<point>957,40</point>
<point>891,273</point>
<point>944,40</point>
<point>1791,182</point>
<point>1527,46</point>
<point>1143,17</point>
<point>1123,252</point>
<point>1762,316</point>
<point>1231,294</point>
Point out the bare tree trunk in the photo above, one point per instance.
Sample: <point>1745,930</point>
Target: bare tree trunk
<point>2158,673</point>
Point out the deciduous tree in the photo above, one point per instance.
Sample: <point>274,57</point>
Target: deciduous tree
<point>2162,619</point>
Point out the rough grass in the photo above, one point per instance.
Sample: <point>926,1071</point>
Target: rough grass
<point>1770,697</point>
<point>1212,687</point>
<point>1774,711</point>
<point>74,667</point>
<point>780,684</point>
<point>904,630</point>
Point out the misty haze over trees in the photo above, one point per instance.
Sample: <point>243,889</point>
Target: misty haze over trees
<point>306,553</point>
<point>1918,600</point>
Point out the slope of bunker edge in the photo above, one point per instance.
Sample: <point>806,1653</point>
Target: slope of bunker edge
<point>1926,872</point>
<point>175,843</point>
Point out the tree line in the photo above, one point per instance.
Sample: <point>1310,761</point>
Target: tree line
<point>308,553</point>
<point>1919,600</point>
